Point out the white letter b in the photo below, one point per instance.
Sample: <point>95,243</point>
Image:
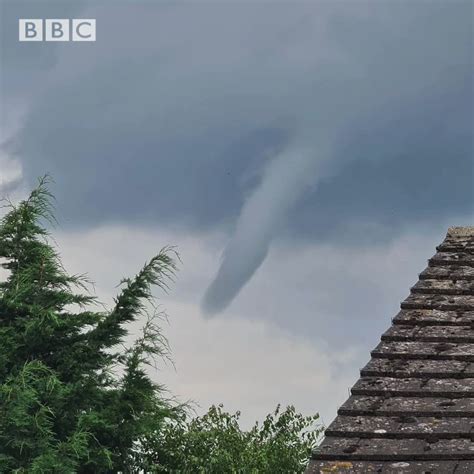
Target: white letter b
<point>30,30</point>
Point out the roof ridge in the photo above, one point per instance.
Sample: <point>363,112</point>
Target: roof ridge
<point>460,231</point>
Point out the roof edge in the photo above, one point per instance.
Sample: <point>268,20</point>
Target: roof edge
<point>459,231</point>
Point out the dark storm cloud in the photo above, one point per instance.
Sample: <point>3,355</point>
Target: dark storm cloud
<point>411,162</point>
<point>175,111</point>
<point>24,66</point>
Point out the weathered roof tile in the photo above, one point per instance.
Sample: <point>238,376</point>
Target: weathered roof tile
<point>369,405</point>
<point>434,317</point>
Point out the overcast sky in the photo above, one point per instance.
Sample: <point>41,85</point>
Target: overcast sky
<point>304,157</point>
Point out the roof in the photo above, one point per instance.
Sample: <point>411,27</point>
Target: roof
<point>412,410</point>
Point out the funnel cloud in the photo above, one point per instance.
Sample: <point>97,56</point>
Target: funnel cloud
<point>288,176</point>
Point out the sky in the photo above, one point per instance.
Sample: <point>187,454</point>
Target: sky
<point>304,157</point>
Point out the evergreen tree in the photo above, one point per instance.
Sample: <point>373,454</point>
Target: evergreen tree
<point>63,408</point>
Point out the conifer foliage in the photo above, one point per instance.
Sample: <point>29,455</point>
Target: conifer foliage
<point>62,409</point>
<point>75,399</point>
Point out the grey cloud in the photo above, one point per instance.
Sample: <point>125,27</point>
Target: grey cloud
<point>175,113</point>
<point>410,164</point>
<point>163,121</point>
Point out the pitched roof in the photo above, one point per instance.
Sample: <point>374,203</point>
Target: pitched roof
<point>412,410</point>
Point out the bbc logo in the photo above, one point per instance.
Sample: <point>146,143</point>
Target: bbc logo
<point>56,29</point>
